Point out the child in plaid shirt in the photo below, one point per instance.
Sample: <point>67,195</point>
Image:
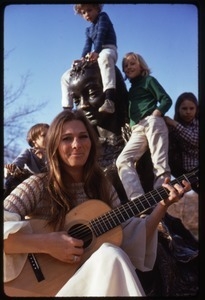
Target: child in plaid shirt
<point>184,135</point>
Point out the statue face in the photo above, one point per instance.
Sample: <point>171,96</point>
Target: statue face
<point>85,85</point>
<point>86,89</point>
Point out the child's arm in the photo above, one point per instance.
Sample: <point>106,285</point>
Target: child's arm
<point>88,44</point>
<point>184,134</point>
<point>22,159</point>
<point>104,25</point>
<point>159,93</point>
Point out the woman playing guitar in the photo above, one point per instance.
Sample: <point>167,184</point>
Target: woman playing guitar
<point>60,240</point>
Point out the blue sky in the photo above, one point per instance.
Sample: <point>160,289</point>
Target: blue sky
<point>45,39</point>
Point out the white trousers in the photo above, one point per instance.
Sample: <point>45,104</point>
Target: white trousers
<point>66,100</point>
<point>151,132</point>
<point>106,61</point>
<point>108,272</point>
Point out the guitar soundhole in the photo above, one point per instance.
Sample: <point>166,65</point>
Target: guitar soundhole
<point>82,232</point>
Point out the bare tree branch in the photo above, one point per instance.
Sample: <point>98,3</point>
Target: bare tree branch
<point>16,116</point>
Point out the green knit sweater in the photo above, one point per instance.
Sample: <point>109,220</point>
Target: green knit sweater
<point>145,95</point>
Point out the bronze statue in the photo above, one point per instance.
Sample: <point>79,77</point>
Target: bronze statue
<point>82,85</point>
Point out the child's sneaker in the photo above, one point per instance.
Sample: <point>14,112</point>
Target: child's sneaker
<point>107,107</point>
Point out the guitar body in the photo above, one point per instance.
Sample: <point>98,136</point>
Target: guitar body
<point>57,273</point>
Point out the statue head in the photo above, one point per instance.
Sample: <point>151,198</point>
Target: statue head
<point>85,85</point>
<point>86,90</point>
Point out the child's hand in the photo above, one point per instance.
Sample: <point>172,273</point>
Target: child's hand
<point>170,121</point>
<point>156,113</point>
<point>77,61</point>
<point>92,56</point>
<point>10,167</point>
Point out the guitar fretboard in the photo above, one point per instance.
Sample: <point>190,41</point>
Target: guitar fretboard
<point>135,207</point>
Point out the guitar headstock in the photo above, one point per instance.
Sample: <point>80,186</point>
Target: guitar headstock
<point>193,177</point>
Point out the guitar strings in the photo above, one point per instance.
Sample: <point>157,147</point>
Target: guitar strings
<point>117,213</point>
<point>122,213</point>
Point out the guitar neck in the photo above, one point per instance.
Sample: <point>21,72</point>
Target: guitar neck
<point>117,216</point>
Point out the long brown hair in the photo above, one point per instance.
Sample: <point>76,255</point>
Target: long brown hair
<point>185,96</point>
<point>95,183</point>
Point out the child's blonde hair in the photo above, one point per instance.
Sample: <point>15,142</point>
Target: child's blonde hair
<point>145,70</point>
<point>79,7</point>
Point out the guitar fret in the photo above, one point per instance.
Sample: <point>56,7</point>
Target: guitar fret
<point>140,207</point>
<point>185,177</point>
<point>99,229</point>
<point>103,223</point>
<point>119,216</point>
<point>125,211</point>
<point>110,220</point>
<point>110,225</point>
<point>150,200</point>
<point>159,194</point>
<point>92,225</point>
<point>165,193</point>
<point>154,201</point>
<point>113,222</point>
<point>135,208</point>
<point>131,210</point>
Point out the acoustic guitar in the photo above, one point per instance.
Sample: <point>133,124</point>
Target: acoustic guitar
<point>95,223</point>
